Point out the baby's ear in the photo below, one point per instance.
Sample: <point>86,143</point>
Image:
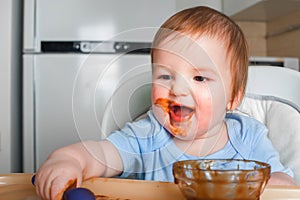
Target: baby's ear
<point>233,104</point>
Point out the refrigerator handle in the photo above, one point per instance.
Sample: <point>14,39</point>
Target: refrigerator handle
<point>29,43</point>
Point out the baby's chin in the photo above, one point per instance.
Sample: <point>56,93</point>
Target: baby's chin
<point>187,133</point>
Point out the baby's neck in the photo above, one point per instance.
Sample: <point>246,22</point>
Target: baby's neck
<point>204,146</point>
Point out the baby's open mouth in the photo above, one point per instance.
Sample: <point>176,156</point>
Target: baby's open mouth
<point>180,113</point>
<point>177,112</point>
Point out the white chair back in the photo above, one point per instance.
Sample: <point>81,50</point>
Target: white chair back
<point>273,97</point>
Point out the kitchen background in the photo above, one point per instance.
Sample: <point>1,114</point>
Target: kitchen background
<point>272,28</point>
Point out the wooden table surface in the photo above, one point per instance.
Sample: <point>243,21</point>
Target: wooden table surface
<point>19,187</point>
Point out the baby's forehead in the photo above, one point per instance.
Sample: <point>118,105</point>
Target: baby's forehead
<point>163,57</point>
<point>186,44</point>
<point>186,48</point>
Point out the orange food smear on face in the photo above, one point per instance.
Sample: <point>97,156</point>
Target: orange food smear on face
<point>165,105</point>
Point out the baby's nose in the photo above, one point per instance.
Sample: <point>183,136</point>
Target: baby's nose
<point>180,87</point>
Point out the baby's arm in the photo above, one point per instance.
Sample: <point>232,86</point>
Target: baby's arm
<point>279,178</point>
<point>75,163</point>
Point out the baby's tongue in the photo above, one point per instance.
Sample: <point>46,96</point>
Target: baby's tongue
<point>180,113</point>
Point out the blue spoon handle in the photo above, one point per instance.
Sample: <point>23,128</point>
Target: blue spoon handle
<point>74,193</point>
<point>33,180</point>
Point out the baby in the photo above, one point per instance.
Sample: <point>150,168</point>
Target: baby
<point>200,64</point>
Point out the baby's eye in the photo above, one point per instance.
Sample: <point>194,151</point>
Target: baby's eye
<point>165,77</point>
<point>200,78</point>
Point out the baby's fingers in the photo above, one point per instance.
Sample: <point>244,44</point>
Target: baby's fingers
<point>53,187</point>
<point>42,182</point>
<point>59,185</point>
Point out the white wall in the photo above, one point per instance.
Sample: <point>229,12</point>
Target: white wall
<point>182,4</point>
<point>228,7</point>
<point>10,93</point>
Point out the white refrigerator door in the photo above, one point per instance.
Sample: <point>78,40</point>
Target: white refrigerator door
<point>65,96</point>
<point>80,20</point>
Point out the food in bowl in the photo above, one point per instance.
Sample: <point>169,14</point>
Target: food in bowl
<point>221,179</point>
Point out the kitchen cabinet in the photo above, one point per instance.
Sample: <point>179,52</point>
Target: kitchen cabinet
<point>272,27</point>
<point>259,10</point>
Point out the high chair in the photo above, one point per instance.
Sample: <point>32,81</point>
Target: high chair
<point>130,101</point>
<point>272,97</point>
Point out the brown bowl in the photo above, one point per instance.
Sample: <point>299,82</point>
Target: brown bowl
<point>221,179</point>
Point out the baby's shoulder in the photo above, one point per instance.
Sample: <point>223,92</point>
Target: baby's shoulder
<point>245,126</point>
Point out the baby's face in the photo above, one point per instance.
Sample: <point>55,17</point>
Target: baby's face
<point>191,87</point>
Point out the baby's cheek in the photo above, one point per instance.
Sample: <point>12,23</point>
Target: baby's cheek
<point>156,93</point>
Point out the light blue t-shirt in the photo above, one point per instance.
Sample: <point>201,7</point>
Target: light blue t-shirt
<point>148,151</point>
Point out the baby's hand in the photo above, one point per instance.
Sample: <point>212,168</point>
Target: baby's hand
<point>56,175</point>
<point>279,178</point>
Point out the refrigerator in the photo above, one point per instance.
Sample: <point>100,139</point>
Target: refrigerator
<point>10,84</point>
<point>76,55</point>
